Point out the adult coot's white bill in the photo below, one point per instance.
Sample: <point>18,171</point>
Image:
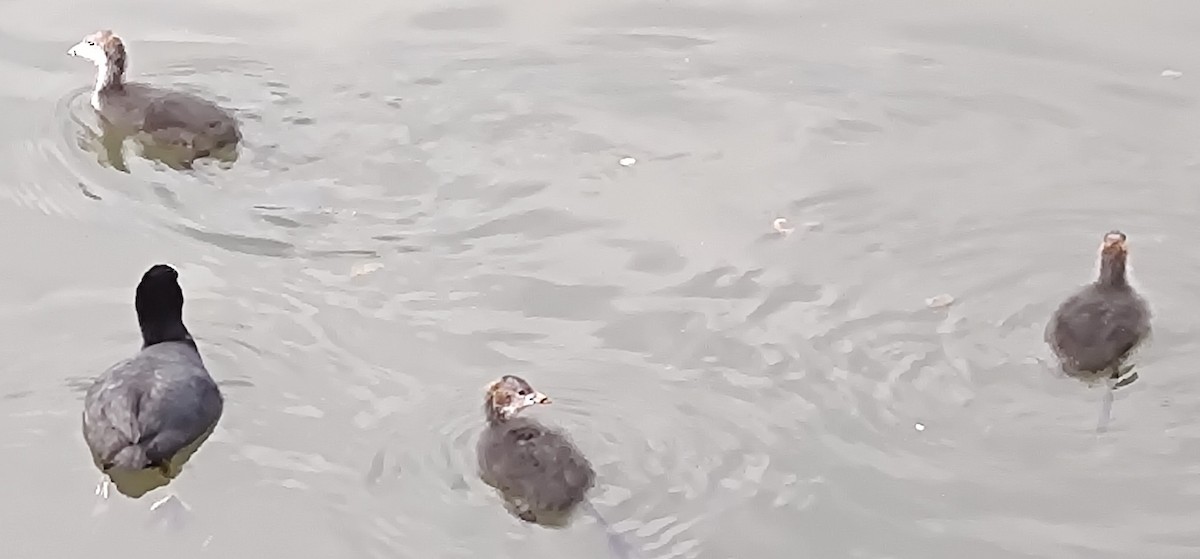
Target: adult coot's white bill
<point>145,416</point>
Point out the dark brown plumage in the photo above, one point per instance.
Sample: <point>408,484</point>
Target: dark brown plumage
<point>183,126</point>
<point>1097,328</point>
<point>538,470</point>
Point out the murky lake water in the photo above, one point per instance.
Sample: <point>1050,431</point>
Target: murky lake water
<point>430,195</point>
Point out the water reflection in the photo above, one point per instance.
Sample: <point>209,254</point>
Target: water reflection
<point>112,142</point>
<point>136,483</point>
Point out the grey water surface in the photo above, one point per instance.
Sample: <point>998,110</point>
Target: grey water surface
<point>430,195</point>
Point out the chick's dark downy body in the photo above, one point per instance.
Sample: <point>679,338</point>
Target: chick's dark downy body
<point>536,468</point>
<point>1095,330</point>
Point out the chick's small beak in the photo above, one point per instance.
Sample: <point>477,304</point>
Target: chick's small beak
<point>73,51</point>
<point>539,398</point>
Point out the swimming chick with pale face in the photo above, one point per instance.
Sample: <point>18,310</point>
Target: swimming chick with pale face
<point>538,469</point>
<point>540,473</point>
<point>1095,330</point>
<point>144,417</point>
<point>185,126</point>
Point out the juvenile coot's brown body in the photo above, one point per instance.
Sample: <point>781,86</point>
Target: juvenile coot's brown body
<point>1096,329</point>
<point>538,470</point>
<point>185,125</point>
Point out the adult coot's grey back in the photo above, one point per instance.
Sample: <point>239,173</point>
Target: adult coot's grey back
<point>191,125</point>
<point>1095,330</point>
<point>540,473</point>
<point>145,416</point>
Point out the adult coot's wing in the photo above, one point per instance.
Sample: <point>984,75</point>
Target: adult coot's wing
<point>110,409</point>
<point>181,406</point>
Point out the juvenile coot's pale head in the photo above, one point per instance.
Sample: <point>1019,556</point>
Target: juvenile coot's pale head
<point>509,395</point>
<point>100,48</point>
<point>1113,255</point>
<point>1114,241</point>
<point>107,52</point>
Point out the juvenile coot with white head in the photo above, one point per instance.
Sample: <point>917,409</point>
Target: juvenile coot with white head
<point>145,416</point>
<point>1095,330</point>
<point>184,125</point>
<point>540,473</point>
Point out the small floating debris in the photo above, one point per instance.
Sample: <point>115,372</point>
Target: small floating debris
<point>940,301</point>
<point>1169,73</point>
<point>919,426</point>
<point>365,268</point>
<point>781,226</point>
<point>627,161</point>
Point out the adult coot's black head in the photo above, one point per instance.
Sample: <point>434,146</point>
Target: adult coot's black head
<point>1094,330</point>
<point>145,416</point>
<point>159,305</point>
<point>181,125</point>
<point>538,470</point>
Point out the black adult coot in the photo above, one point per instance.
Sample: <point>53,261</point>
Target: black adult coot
<point>1094,331</point>
<point>185,126</point>
<point>145,416</point>
<point>540,473</point>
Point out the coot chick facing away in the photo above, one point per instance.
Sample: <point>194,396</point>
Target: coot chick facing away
<point>182,126</point>
<point>1095,330</point>
<point>145,416</point>
<point>540,473</point>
